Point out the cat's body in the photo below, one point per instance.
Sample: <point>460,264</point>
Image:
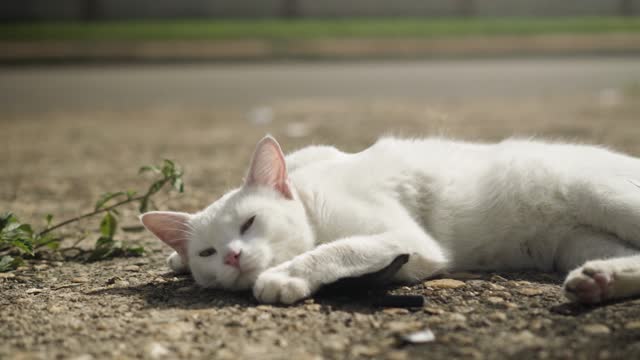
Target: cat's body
<point>450,205</point>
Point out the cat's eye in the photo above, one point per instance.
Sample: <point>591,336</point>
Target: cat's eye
<point>247,224</point>
<point>207,252</point>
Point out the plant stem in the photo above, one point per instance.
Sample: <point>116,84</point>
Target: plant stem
<point>61,224</point>
<point>56,239</point>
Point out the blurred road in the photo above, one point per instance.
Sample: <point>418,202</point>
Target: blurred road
<point>73,88</point>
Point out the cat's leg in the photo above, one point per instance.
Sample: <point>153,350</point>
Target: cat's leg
<point>176,263</point>
<point>610,203</point>
<point>607,267</point>
<point>349,257</point>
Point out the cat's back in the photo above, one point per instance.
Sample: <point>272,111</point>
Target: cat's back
<point>387,158</point>
<point>312,156</point>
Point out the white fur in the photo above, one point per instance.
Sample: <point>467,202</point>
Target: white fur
<point>517,204</point>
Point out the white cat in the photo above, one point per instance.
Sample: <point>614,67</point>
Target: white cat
<point>321,215</point>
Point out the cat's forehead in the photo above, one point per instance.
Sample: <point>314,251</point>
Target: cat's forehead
<point>235,205</point>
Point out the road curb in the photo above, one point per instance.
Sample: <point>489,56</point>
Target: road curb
<point>347,48</point>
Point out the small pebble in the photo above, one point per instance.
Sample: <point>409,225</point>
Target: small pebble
<point>7,275</point>
<point>529,291</point>
<point>83,357</point>
<point>80,280</point>
<point>395,311</point>
<point>225,354</point>
<point>464,276</point>
<point>55,309</point>
<point>510,305</point>
<point>498,316</point>
<point>131,268</point>
<point>457,318</point>
<point>402,326</point>
<point>157,350</point>
<point>419,337</point>
<point>633,325</point>
<point>596,329</point>
<point>313,307</point>
<point>498,278</point>
<point>444,284</point>
<point>364,350</point>
<point>433,310</point>
<point>334,345</point>
<point>34,291</point>
<point>397,355</point>
<point>495,300</point>
<point>496,287</point>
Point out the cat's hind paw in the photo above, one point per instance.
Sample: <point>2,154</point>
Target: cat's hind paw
<point>589,284</point>
<point>275,285</point>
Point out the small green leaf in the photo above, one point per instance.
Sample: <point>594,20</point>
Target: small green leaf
<point>53,245</point>
<point>47,239</point>
<point>5,219</point>
<point>169,170</point>
<point>26,228</point>
<point>5,263</point>
<point>48,218</point>
<point>108,225</point>
<point>178,184</point>
<point>135,251</point>
<point>23,244</point>
<point>147,168</point>
<point>12,227</point>
<point>8,263</point>
<point>131,194</point>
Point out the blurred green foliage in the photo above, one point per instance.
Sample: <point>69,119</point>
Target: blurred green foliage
<point>312,28</point>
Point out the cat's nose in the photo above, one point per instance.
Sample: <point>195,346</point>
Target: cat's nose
<point>233,258</point>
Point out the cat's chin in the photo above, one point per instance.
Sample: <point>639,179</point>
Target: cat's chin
<point>244,281</point>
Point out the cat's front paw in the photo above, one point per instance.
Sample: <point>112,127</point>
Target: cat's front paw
<point>590,284</point>
<point>176,263</point>
<point>277,285</point>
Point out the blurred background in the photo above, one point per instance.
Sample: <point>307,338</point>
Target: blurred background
<point>90,89</point>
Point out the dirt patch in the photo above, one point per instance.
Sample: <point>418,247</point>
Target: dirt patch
<point>126,308</point>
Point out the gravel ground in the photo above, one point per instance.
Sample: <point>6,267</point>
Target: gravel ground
<point>60,162</point>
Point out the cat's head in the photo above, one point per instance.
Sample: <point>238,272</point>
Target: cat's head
<point>259,225</point>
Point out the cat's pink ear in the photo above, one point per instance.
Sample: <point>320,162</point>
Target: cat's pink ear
<point>170,227</point>
<point>268,167</point>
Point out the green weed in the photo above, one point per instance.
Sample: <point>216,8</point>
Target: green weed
<point>19,241</point>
